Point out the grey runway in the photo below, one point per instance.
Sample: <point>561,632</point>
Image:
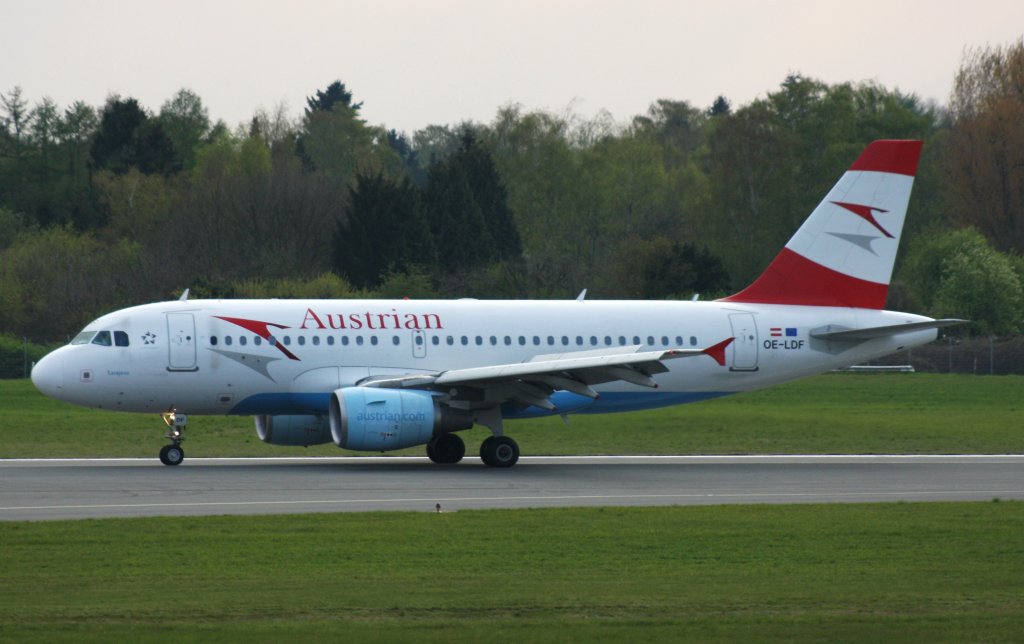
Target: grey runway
<point>96,488</point>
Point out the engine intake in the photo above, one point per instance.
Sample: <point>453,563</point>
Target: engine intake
<point>372,419</point>
<point>293,430</point>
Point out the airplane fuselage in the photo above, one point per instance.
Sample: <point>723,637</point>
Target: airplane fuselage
<point>286,356</point>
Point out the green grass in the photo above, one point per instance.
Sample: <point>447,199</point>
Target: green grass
<point>835,413</point>
<point>923,572</point>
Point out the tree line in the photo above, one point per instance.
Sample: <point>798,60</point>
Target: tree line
<point>117,205</point>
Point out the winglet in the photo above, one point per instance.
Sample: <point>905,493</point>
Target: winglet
<point>717,352</point>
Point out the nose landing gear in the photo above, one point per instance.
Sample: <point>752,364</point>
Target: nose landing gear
<point>173,454</point>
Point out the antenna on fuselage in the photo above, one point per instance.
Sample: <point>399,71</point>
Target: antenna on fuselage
<point>184,296</point>
<point>582,296</point>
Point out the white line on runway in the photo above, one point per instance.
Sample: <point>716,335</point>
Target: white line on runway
<point>579,497</point>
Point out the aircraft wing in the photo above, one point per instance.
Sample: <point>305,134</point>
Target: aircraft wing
<point>532,382</point>
<point>859,335</point>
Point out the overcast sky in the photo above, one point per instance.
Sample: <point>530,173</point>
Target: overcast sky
<point>443,61</point>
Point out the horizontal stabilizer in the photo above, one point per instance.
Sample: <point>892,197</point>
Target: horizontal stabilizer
<point>870,333</point>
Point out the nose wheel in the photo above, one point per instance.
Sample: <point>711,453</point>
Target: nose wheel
<point>173,454</point>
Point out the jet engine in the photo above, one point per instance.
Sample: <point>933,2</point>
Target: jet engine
<point>293,430</point>
<point>373,419</point>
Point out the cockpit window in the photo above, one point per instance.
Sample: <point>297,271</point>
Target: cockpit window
<point>102,338</point>
<point>84,337</point>
<point>120,338</point>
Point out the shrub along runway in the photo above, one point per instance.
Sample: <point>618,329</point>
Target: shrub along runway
<point>136,487</point>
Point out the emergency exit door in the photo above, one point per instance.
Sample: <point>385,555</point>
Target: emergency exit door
<point>744,347</point>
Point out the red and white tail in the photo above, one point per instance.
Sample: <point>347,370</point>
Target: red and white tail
<point>844,253</point>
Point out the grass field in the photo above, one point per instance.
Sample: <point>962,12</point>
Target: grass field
<point>885,572</point>
<point>895,572</point>
<point>835,413</point>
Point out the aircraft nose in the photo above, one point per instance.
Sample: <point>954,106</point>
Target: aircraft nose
<point>48,376</point>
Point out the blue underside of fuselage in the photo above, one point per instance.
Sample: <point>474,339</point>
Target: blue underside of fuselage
<point>297,404</point>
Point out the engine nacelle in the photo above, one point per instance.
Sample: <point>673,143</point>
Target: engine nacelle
<point>293,430</point>
<point>372,419</point>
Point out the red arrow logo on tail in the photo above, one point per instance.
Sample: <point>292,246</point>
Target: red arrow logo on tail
<point>866,213</point>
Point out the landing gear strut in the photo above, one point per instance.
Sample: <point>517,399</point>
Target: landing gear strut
<point>446,448</point>
<point>173,454</point>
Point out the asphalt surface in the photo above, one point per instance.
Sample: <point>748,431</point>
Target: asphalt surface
<point>96,488</point>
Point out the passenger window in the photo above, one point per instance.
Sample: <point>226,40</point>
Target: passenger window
<point>551,340</point>
<point>579,340</point>
<point>302,340</point>
<point>636,339</point>
<point>464,340</point>
<point>522,340</point>
<point>679,340</point>
<point>102,338</point>
<point>257,341</point>
<point>622,340</point>
<point>120,338</point>
<point>450,340</point>
<point>650,340</point>
<point>227,340</point>
<point>373,340</point>
<point>693,340</point>
<point>593,340</point>
<point>508,341</point>
<point>435,340</point>
<point>607,340</point>
<point>359,340</point>
<point>344,340</point>
<point>316,340</point>
<point>494,341</point>
<point>394,340</point>
<point>330,340</point>
<point>242,340</point>
<point>287,340</point>
<point>664,340</point>
<point>479,341</point>
<point>536,340</point>
<point>213,340</point>
<point>565,340</point>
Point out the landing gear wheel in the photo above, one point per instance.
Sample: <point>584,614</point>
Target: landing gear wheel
<point>172,455</point>
<point>446,448</point>
<point>499,451</point>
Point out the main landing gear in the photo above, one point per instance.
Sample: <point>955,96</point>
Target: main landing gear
<point>496,451</point>
<point>446,449</point>
<point>173,454</point>
<point>499,451</point>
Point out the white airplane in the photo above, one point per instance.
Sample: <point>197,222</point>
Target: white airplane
<point>380,375</point>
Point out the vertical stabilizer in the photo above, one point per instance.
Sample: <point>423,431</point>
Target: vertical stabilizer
<point>843,255</point>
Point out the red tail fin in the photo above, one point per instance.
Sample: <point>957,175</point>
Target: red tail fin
<point>843,255</point>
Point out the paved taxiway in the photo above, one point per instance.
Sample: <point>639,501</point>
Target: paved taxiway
<point>93,488</point>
